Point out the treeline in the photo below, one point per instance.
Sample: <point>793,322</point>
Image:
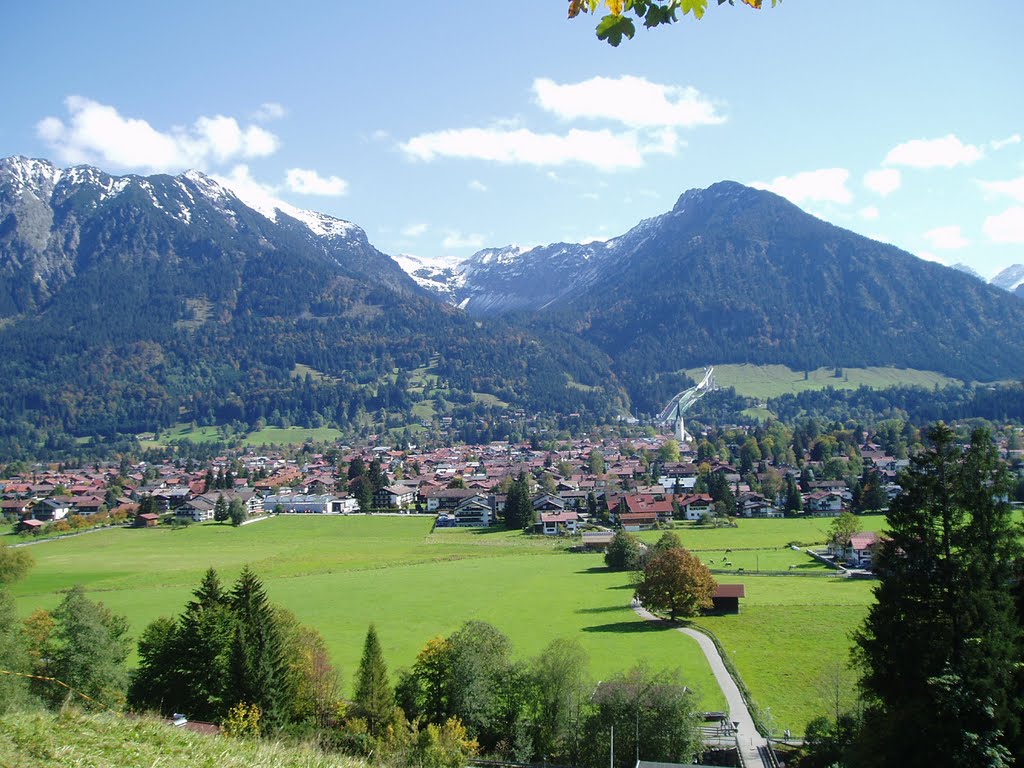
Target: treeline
<point>999,403</point>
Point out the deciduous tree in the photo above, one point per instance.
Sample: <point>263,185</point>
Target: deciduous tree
<point>90,646</point>
<point>678,582</point>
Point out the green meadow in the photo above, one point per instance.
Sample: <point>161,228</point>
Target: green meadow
<point>338,574</point>
<point>765,381</point>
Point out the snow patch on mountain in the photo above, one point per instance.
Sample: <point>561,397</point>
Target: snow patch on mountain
<point>29,173</point>
<point>442,275</point>
<point>1010,279</point>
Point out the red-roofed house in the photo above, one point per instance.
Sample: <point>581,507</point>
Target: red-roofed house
<point>860,551</point>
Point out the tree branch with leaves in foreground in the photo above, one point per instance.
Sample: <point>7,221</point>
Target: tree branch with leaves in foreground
<point>618,23</point>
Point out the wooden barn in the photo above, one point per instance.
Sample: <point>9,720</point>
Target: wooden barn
<point>727,598</point>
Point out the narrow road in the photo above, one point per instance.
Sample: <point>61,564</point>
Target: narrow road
<point>753,745</point>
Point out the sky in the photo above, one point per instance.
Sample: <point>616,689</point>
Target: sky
<point>442,128</point>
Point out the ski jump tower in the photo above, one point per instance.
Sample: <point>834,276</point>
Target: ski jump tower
<point>681,403</point>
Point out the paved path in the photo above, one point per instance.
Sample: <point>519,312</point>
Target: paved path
<point>752,744</point>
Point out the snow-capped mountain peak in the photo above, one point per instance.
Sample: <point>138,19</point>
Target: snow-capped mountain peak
<point>1010,279</point>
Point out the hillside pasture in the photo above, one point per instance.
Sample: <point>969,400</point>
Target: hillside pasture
<point>766,381</point>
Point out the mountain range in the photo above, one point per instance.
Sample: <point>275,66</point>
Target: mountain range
<point>132,303</point>
<point>742,275</point>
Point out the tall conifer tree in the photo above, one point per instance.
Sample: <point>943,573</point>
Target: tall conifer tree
<point>375,699</point>
<point>940,645</point>
<point>258,673</point>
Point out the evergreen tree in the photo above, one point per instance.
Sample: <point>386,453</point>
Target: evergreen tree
<point>204,635</point>
<point>257,669</point>
<point>157,683</point>
<point>794,502</point>
<point>518,507</point>
<point>940,645</point>
<point>220,509</point>
<point>374,698</point>
<point>356,468</point>
<point>378,477</point>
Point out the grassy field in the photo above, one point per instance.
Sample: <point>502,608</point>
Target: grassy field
<point>339,574</point>
<point>765,381</point>
<point>791,633</point>
<point>291,436</point>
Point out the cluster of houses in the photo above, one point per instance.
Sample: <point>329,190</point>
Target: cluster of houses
<point>461,486</point>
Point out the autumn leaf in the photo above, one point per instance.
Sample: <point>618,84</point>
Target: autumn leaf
<point>615,6</point>
<point>753,3</point>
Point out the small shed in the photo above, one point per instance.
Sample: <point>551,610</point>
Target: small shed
<point>727,598</point>
<point>147,520</point>
<point>31,526</point>
<point>598,540</point>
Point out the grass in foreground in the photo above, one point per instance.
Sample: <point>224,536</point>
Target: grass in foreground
<point>70,738</point>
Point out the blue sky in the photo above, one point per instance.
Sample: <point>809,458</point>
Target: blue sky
<point>444,127</point>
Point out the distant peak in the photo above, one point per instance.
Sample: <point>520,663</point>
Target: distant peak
<point>718,193</point>
<point>30,170</point>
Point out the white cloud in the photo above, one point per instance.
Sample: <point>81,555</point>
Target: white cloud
<point>870,213</point>
<point>269,110</point>
<point>1006,227</point>
<point>1013,188</point>
<point>929,256</point>
<point>1008,141</point>
<point>255,194</point>
<point>823,185</point>
<point>632,101</point>
<point>458,240</point>
<point>455,239</point>
<point>309,182</point>
<point>590,196</point>
<point>883,181</point>
<point>605,150</point>
<point>947,152</point>
<point>98,133</point>
<point>415,230</point>
<point>947,238</point>
<point>477,186</point>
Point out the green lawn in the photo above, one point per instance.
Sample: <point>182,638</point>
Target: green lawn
<point>760,533</point>
<point>791,633</point>
<point>190,433</point>
<point>339,574</point>
<point>291,436</point>
<point>765,381</point>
